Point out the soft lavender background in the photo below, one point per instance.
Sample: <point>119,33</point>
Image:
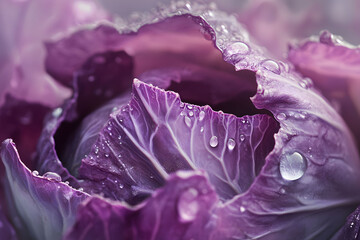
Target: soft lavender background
<point>340,17</point>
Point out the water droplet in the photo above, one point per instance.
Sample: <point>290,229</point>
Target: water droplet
<point>242,209</point>
<point>202,129</point>
<point>52,175</point>
<point>214,141</point>
<point>201,115</point>
<point>242,137</point>
<point>231,144</point>
<point>271,66</point>
<point>188,206</point>
<point>35,173</point>
<point>106,155</point>
<point>182,104</point>
<point>292,166</point>
<point>306,83</point>
<point>57,112</point>
<point>109,128</point>
<point>121,185</point>
<point>191,113</point>
<point>189,107</point>
<point>299,116</point>
<point>91,78</point>
<point>281,116</point>
<point>187,121</point>
<point>238,48</point>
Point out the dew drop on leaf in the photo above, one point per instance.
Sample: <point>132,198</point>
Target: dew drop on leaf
<point>231,144</point>
<point>214,141</point>
<point>187,121</point>
<point>292,166</point>
<point>52,175</point>
<point>201,115</point>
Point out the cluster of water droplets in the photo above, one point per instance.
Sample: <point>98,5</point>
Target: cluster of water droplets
<point>297,115</point>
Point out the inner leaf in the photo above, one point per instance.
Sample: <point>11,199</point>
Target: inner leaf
<point>157,134</point>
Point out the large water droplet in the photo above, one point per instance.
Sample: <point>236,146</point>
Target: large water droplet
<point>292,166</point>
<point>201,115</point>
<point>231,144</point>
<point>214,141</point>
<point>188,206</point>
<point>52,175</point>
<point>187,121</point>
<point>271,66</point>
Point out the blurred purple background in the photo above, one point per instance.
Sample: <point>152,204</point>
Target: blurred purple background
<point>341,17</point>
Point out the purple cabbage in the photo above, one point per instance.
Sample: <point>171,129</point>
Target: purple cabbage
<point>162,139</point>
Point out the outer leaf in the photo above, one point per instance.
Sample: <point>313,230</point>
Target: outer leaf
<point>156,134</point>
<point>101,78</point>
<point>180,210</point>
<point>23,31</point>
<point>333,65</point>
<point>46,207</point>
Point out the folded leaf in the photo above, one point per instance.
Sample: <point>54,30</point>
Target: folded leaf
<point>45,207</point>
<point>182,209</point>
